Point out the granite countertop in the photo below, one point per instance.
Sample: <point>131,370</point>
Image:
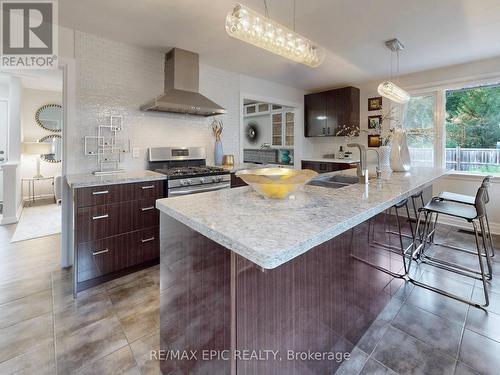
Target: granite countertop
<point>76,181</point>
<point>332,160</point>
<point>272,232</point>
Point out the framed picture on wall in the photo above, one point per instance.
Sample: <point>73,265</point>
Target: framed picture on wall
<point>373,140</point>
<point>374,122</point>
<point>375,104</point>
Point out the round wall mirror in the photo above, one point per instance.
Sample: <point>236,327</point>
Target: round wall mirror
<point>55,141</point>
<point>49,117</point>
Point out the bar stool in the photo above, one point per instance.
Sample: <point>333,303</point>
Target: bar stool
<point>469,200</point>
<point>473,214</point>
<point>400,250</point>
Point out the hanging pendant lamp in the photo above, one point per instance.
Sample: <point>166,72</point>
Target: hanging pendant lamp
<point>389,89</point>
<point>261,31</point>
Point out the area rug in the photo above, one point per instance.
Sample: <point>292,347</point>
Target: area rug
<point>38,221</point>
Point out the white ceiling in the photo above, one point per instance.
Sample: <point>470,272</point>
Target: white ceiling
<point>436,33</point>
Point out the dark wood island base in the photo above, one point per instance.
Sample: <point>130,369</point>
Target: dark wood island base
<point>221,314</point>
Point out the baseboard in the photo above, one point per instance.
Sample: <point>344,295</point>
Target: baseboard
<point>494,227</point>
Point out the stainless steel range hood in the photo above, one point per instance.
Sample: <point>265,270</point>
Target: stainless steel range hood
<point>182,73</point>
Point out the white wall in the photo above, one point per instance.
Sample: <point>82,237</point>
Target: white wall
<point>116,78</point>
<point>31,132</point>
<point>264,128</point>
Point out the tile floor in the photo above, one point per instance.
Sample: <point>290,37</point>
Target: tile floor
<point>421,332</point>
<point>111,328</point>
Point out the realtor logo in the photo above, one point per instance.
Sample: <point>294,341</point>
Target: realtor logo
<point>29,34</point>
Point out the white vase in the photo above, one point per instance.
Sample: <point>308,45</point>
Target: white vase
<point>385,158</point>
<point>400,154</point>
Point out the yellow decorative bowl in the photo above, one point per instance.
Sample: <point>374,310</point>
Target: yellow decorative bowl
<point>277,183</point>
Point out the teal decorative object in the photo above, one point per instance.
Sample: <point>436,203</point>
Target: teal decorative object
<point>285,156</point>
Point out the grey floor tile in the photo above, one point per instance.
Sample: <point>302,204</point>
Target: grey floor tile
<point>142,320</point>
<point>373,367</point>
<point>478,295</point>
<point>15,289</point>
<point>354,364</point>
<point>463,369</point>
<point>22,337</point>
<point>138,291</point>
<point>440,333</point>
<point>480,353</point>
<point>25,308</point>
<point>142,352</point>
<point>438,304</point>
<point>483,322</point>
<point>372,336</point>
<point>82,312</point>
<point>406,355</point>
<point>120,362</point>
<point>88,344</point>
<point>39,360</point>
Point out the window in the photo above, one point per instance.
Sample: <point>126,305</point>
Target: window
<point>419,121</point>
<point>472,142</point>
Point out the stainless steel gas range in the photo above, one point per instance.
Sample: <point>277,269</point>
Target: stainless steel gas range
<point>186,170</point>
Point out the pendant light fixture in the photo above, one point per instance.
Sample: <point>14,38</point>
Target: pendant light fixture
<point>389,89</point>
<point>261,31</point>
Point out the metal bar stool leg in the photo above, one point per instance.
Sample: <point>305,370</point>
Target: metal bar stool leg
<point>489,235</point>
<point>480,257</point>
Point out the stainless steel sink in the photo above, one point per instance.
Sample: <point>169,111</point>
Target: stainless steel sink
<point>334,182</point>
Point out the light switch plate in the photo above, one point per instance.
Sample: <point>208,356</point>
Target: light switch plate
<point>135,152</point>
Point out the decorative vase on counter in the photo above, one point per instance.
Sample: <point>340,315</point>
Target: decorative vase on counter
<point>217,127</point>
<point>400,154</point>
<point>385,158</point>
<point>218,152</point>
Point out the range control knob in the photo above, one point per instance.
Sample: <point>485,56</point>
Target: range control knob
<point>203,181</point>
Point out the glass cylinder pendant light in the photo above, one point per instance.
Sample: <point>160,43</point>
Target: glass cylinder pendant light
<point>389,89</point>
<point>393,92</point>
<point>249,26</point>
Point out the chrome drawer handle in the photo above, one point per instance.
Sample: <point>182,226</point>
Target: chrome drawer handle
<point>147,187</point>
<point>100,192</point>
<point>148,240</point>
<point>148,208</point>
<point>100,252</point>
<point>100,217</point>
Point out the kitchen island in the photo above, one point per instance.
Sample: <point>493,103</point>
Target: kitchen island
<point>253,286</point>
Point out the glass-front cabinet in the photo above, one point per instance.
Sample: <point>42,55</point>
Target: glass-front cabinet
<point>277,125</point>
<point>282,128</point>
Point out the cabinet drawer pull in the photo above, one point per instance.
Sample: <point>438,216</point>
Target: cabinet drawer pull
<point>148,239</point>
<point>100,192</point>
<point>100,217</point>
<point>100,252</point>
<point>148,208</point>
<point>147,187</point>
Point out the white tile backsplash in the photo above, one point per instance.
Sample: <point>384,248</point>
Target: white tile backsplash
<point>115,78</point>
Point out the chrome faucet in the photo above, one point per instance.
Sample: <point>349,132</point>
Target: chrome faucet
<point>379,172</point>
<point>362,169</point>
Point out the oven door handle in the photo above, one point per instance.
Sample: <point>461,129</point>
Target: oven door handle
<point>176,193</point>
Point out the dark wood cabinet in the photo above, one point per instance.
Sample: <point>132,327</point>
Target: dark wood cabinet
<point>236,181</point>
<point>325,112</point>
<point>325,167</point>
<point>116,230</point>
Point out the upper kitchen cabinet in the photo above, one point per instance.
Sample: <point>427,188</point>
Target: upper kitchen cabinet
<point>326,111</point>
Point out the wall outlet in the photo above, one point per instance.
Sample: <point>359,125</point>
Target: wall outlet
<point>135,152</point>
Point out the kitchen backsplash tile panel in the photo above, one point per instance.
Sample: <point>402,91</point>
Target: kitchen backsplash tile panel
<point>115,78</point>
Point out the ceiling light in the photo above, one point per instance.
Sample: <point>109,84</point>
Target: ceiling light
<point>389,89</point>
<point>249,26</point>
